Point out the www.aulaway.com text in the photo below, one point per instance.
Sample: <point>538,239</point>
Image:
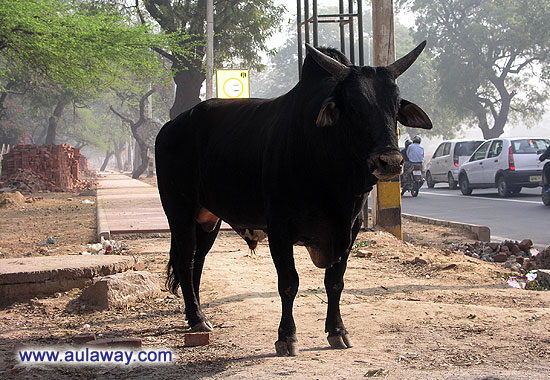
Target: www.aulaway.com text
<point>89,356</point>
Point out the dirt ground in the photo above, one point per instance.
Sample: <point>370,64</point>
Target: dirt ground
<point>447,316</point>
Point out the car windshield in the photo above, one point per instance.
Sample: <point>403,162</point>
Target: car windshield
<point>529,146</point>
<point>466,148</point>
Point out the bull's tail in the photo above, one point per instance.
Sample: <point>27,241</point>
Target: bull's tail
<point>172,279</point>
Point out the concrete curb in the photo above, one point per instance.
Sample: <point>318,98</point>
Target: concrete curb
<point>483,233</point>
<point>102,225</point>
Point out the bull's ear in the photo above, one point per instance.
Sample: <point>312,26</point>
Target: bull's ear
<point>329,114</point>
<point>410,115</point>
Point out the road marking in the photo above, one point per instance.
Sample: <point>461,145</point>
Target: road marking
<point>485,199</point>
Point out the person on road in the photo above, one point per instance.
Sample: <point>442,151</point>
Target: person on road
<point>406,161</point>
<point>415,151</point>
<point>546,173</point>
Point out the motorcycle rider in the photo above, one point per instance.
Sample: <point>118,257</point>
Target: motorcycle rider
<point>415,151</point>
<point>406,161</point>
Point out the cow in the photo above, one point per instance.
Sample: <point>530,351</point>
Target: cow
<point>298,167</point>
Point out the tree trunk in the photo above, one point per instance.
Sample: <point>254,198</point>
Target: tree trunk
<point>118,157</point>
<point>188,88</point>
<point>106,161</point>
<point>54,121</point>
<point>144,160</point>
<point>129,156</point>
<point>3,97</point>
<point>137,156</point>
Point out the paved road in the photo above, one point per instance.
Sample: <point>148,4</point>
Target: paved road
<point>518,217</point>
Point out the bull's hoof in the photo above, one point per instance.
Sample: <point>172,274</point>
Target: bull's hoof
<point>288,347</point>
<point>340,341</point>
<point>203,326</point>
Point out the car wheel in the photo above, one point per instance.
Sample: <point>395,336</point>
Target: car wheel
<point>465,185</point>
<point>503,188</point>
<point>429,180</point>
<point>452,183</point>
<point>545,197</point>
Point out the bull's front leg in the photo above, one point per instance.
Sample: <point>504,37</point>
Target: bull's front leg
<point>338,336</point>
<point>281,249</point>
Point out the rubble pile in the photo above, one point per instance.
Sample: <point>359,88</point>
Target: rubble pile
<point>31,168</point>
<point>515,255</point>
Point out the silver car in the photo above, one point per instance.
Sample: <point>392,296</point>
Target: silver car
<point>446,161</point>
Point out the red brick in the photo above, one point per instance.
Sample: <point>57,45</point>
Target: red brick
<point>196,339</point>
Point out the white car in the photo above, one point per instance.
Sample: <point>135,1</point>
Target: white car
<point>505,163</point>
<point>445,162</point>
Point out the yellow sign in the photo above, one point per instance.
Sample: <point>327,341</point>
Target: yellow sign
<point>231,84</point>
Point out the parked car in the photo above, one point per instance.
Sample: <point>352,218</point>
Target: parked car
<point>446,161</point>
<point>505,163</point>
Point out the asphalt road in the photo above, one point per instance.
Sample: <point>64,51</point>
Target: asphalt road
<point>523,216</point>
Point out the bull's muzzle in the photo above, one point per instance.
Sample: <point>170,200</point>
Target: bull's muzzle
<point>388,165</point>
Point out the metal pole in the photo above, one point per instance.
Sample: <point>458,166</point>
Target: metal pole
<point>209,47</point>
<point>306,19</point>
<point>360,32</point>
<point>299,27</point>
<point>351,34</point>
<point>342,29</point>
<point>315,25</point>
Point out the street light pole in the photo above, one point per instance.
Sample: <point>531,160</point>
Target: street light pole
<point>209,48</point>
<point>386,196</point>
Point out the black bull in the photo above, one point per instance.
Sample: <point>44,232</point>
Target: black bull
<point>298,167</point>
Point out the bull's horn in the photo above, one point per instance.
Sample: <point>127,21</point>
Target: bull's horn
<point>333,67</point>
<point>398,67</point>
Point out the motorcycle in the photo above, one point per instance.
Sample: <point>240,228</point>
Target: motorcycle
<point>412,179</point>
<point>545,182</point>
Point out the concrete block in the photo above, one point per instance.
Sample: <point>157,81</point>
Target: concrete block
<point>121,289</point>
<point>25,278</point>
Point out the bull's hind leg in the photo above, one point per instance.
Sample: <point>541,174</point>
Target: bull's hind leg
<point>338,336</point>
<point>205,240</point>
<point>181,266</point>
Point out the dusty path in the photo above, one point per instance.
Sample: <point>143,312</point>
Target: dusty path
<point>414,321</point>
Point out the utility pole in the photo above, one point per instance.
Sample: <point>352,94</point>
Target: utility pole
<point>209,47</point>
<point>386,196</point>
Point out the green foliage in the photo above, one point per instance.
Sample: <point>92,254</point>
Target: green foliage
<point>491,58</point>
<point>242,28</point>
<point>80,51</point>
<point>77,51</point>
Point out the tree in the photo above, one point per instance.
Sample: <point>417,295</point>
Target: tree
<point>135,126</point>
<point>241,31</point>
<point>417,84</point>
<point>491,56</point>
<point>72,53</point>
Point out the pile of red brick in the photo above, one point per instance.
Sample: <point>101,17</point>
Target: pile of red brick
<point>43,167</point>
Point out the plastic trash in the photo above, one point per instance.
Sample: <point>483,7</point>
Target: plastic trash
<point>88,202</point>
<point>532,275</point>
<point>50,240</point>
<point>518,282</point>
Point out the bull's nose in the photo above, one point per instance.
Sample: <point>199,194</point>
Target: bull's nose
<point>390,160</point>
<point>388,165</point>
